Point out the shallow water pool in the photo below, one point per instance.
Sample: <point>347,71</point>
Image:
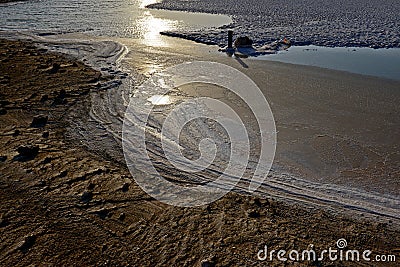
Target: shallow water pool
<point>376,62</point>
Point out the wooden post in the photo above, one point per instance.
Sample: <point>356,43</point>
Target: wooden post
<point>230,38</point>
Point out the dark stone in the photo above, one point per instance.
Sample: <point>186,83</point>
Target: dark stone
<point>60,97</point>
<point>45,134</point>
<point>55,68</point>
<point>102,213</point>
<point>91,186</point>
<point>253,214</point>
<point>59,101</point>
<point>122,216</point>
<point>243,41</point>
<point>62,94</point>
<point>28,242</point>
<point>47,160</point>
<point>257,202</point>
<point>125,187</point>
<point>16,133</point>
<point>33,95</point>
<point>3,158</point>
<point>208,208</point>
<point>86,196</point>
<point>39,121</point>
<point>63,173</point>
<point>97,171</point>
<point>27,152</point>
<point>44,98</point>
<point>3,111</point>
<point>207,263</point>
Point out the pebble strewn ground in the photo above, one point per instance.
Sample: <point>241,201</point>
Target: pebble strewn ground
<point>359,23</point>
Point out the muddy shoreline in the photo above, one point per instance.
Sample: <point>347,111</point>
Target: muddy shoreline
<point>64,205</point>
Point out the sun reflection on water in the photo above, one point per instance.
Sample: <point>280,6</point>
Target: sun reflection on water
<point>160,100</point>
<point>147,2</point>
<point>152,26</point>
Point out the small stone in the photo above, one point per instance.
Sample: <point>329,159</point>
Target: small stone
<point>59,101</point>
<point>3,158</point>
<point>121,216</point>
<point>16,133</point>
<point>91,186</point>
<point>86,196</point>
<point>63,173</point>
<point>39,121</point>
<point>54,68</point>
<point>257,202</point>
<point>253,214</point>
<point>33,96</point>
<point>47,160</point>
<point>28,242</point>
<point>44,98</point>
<point>3,111</point>
<point>45,134</point>
<point>207,263</point>
<point>28,152</point>
<point>103,213</point>
<point>243,41</point>
<point>125,187</point>
<point>97,171</point>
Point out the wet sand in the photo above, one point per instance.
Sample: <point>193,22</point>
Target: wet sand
<point>336,130</point>
<point>72,204</point>
<point>338,127</point>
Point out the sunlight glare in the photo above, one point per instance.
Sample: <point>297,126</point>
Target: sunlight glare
<point>152,26</point>
<point>160,100</point>
<point>147,2</point>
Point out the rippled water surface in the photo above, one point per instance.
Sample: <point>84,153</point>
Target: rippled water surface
<point>121,18</point>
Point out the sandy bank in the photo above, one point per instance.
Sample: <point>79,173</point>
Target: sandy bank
<point>66,206</point>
